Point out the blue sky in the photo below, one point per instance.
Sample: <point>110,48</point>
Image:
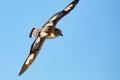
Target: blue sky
<point>89,50</point>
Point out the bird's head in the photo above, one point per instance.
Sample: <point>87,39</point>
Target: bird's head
<point>58,32</point>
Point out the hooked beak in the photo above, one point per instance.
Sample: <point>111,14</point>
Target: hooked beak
<point>61,34</point>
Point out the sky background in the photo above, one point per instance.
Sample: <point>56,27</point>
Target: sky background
<point>89,49</point>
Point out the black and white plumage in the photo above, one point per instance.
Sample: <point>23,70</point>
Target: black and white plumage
<point>47,31</point>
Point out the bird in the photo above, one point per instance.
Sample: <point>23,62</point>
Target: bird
<point>48,31</point>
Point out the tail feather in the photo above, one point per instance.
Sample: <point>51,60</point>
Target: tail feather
<point>34,32</point>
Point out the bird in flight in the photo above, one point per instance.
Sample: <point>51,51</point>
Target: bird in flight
<point>47,31</point>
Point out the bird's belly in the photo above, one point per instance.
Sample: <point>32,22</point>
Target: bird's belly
<point>51,36</point>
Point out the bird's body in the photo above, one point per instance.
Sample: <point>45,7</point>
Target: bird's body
<point>52,35</point>
<point>47,31</point>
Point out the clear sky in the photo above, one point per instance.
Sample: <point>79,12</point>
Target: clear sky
<point>89,50</point>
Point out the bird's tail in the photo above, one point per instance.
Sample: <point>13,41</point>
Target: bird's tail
<point>34,32</point>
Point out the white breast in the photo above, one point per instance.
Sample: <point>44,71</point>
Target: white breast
<point>52,36</point>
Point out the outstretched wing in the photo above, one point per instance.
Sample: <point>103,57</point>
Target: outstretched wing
<point>35,48</point>
<point>55,18</point>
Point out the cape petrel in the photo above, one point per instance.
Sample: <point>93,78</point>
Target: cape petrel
<point>47,31</point>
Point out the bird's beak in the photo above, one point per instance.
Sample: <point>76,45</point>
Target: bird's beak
<point>61,34</point>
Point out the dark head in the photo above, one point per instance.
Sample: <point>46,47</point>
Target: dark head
<point>58,32</point>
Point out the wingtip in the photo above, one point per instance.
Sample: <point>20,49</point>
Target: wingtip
<point>23,69</point>
<point>76,1</point>
<point>20,73</point>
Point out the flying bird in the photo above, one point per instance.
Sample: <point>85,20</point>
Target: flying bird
<point>47,31</point>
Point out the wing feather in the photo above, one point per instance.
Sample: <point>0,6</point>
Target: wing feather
<point>55,18</point>
<point>35,48</point>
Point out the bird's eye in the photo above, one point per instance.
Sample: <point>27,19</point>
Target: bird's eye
<point>58,32</point>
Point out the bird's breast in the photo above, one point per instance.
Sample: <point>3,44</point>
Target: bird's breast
<point>51,36</point>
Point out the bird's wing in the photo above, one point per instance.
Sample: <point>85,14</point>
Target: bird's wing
<point>35,48</point>
<point>55,18</point>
